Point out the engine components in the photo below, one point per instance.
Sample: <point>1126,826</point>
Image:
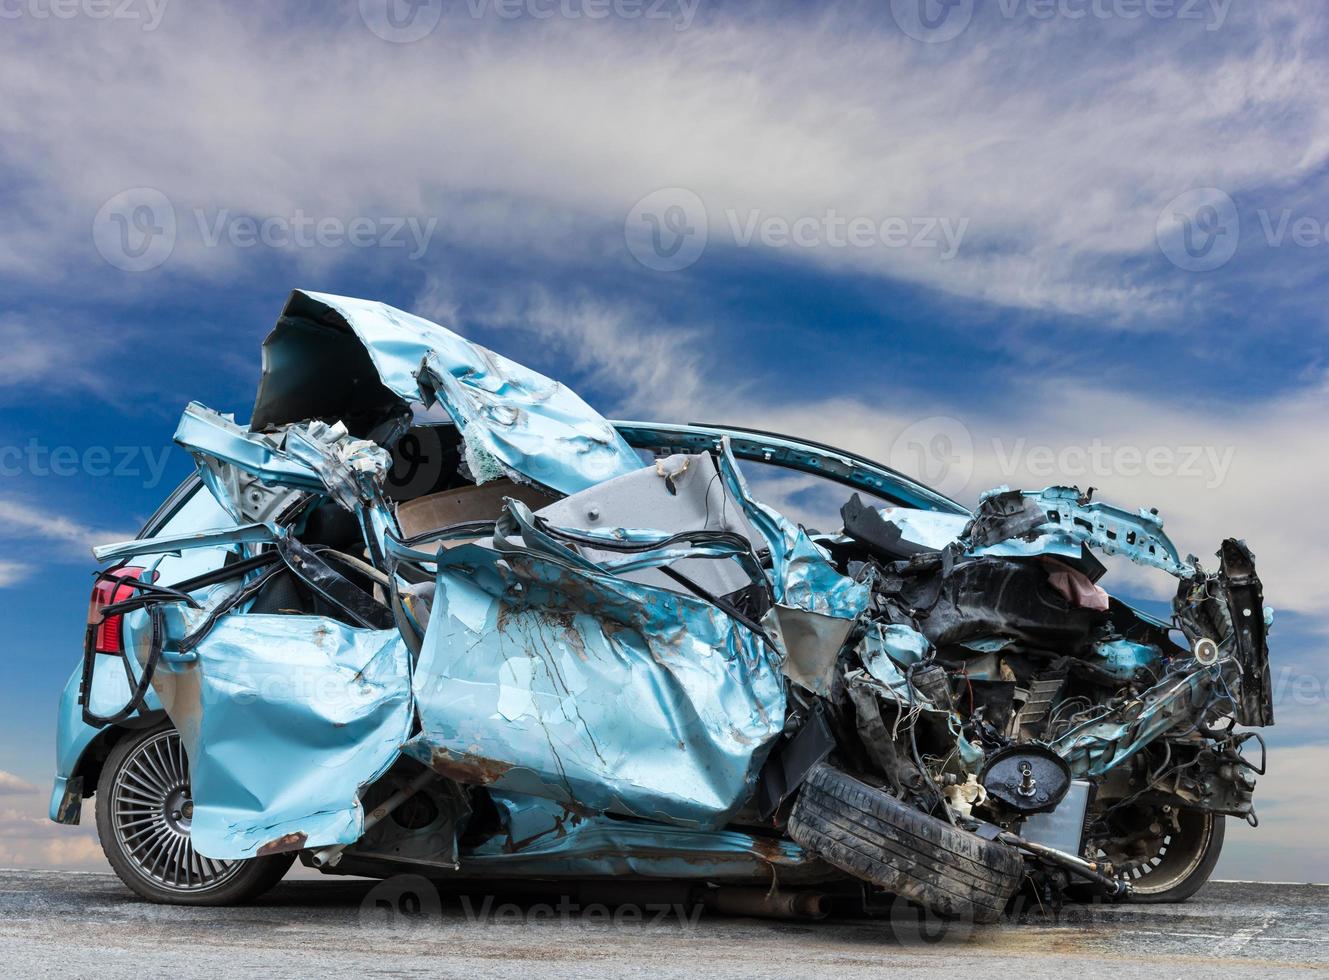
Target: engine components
<point>1028,778</point>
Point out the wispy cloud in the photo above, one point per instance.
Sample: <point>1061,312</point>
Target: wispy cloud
<point>1058,184</point>
<point>643,363</point>
<point>30,355</point>
<point>19,520</point>
<point>11,784</point>
<point>29,840</point>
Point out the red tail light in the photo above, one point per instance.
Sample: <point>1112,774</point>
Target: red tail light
<point>106,592</point>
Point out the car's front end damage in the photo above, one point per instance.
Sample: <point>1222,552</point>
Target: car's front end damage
<point>577,649</point>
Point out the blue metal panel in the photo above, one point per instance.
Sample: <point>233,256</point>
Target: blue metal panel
<point>802,576</point>
<point>285,719</point>
<point>511,418</point>
<point>543,838</point>
<point>550,678</point>
<point>1122,658</point>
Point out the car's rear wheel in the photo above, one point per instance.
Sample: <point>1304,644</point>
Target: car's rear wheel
<point>144,816</point>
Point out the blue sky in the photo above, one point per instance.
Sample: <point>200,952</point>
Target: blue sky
<point>983,274</point>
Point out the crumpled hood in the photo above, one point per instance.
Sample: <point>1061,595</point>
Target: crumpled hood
<point>370,366</point>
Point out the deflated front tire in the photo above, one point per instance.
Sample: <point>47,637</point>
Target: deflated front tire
<point>870,834</point>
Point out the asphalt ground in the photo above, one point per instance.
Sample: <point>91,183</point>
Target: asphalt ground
<point>89,925</point>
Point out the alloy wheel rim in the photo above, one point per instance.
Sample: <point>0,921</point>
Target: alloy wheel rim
<point>152,812</point>
<point>1171,858</point>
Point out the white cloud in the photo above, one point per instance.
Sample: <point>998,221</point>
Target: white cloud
<point>574,123</point>
<point>30,355</point>
<point>20,521</point>
<point>50,352</point>
<point>11,784</point>
<point>29,840</point>
<point>647,365</point>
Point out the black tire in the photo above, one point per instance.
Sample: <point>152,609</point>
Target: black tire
<point>1185,864</point>
<point>873,836</point>
<point>143,809</point>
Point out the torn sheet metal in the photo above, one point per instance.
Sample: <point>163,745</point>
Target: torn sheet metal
<point>216,442</point>
<point>316,456</point>
<point>888,649</point>
<point>1098,746</point>
<point>802,576</point>
<point>1065,517</point>
<point>542,675</point>
<point>812,644</point>
<point>178,543</point>
<point>285,719</point>
<point>1056,521</point>
<point>513,420</point>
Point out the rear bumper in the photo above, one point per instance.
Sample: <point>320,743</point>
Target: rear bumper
<point>67,799</point>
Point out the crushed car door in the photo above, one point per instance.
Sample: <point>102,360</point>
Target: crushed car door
<point>566,662</point>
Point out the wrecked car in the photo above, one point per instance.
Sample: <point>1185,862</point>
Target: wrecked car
<point>429,611</point>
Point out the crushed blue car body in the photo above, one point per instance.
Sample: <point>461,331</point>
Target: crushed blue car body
<point>586,648</point>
